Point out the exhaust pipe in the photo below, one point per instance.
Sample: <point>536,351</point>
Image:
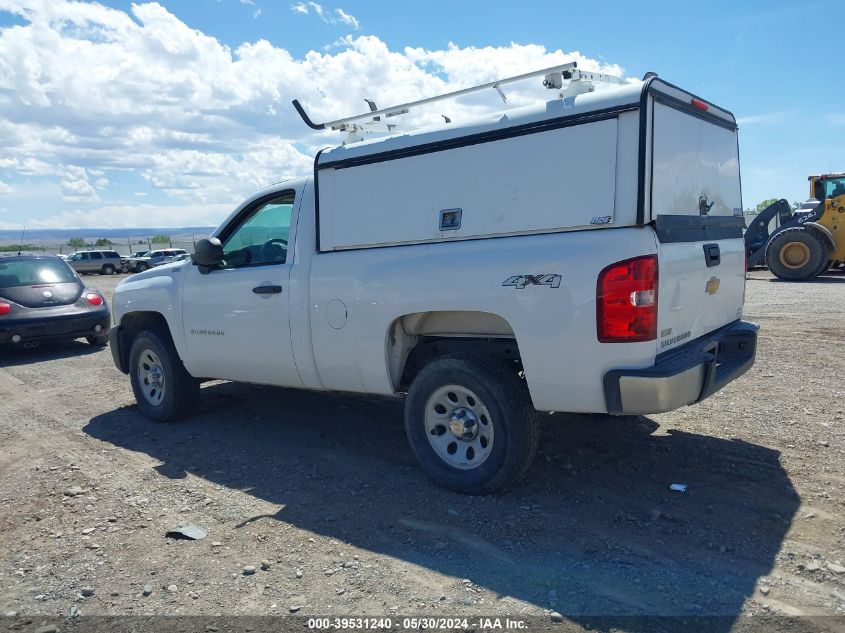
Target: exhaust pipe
<point>31,344</point>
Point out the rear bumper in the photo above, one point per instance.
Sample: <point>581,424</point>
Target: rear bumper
<point>67,326</point>
<point>685,375</point>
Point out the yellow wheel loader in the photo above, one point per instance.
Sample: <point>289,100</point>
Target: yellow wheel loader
<point>807,241</point>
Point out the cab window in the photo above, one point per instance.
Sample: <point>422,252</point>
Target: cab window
<point>261,237</point>
<point>834,187</point>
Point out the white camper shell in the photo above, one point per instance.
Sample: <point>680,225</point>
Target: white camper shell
<point>611,158</point>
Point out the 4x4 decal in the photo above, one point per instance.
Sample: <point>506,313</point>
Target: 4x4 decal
<point>520,281</point>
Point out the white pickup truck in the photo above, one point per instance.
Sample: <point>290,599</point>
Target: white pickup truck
<point>584,255</point>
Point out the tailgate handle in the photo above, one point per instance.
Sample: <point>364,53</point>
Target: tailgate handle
<point>712,256</point>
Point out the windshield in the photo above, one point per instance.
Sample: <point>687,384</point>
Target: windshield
<point>30,272</point>
<point>834,187</point>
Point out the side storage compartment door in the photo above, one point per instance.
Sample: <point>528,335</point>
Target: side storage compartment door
<point>544,181</point>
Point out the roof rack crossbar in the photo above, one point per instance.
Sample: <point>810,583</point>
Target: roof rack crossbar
<point>341,124</point>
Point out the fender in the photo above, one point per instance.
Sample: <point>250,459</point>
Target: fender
<point>155,290</point>
<point>824,231</point>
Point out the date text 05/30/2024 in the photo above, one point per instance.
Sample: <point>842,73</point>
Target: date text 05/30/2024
<point>374,623</point>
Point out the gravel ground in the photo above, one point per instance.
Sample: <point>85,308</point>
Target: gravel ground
<point>313,503</point>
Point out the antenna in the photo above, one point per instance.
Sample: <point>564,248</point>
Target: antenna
<point>351,124</point>
<point>20,245</point>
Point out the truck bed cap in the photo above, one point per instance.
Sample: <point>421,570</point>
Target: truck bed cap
<point>601,101</point>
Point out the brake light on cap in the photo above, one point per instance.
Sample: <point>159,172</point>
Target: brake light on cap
<point>701,105</point>
<point>93,298</point>
<point>626,301</point>
<point>5,308</point>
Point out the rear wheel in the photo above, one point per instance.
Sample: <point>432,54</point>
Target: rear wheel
<point>163,388</point>
<point>470,423</point>
<point>796,254</point>
<point>101,340</point>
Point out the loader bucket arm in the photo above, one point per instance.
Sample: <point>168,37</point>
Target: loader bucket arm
<point>757,235</point>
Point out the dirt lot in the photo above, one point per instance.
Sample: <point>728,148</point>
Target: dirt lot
<point>324,490</point>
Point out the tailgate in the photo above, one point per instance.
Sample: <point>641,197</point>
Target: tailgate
<point>693,298</point>
<point>696,207</point>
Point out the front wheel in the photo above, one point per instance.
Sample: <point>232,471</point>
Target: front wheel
<point>108,269</point>
<point>141,267</point>
<point>470,423</point>
<point>796,254</point>
<point>163,388</point>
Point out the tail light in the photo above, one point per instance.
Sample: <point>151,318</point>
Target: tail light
<point>93,298</point>
<point>626,301</point>
<point>5,308</point>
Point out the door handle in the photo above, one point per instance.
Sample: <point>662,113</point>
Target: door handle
<point>267,290</point>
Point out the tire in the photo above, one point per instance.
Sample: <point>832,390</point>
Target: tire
<point>827,265</point>
<point>491,401</point>
<point>175,395</point>
<point>101,340</point>
<point>108,269</point>
<point>141,267</point>
<point>807,244</point>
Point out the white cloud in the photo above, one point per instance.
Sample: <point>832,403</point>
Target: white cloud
<point>251,3</point>
<point>764,118</point>
<point>348,19</point>
<point>128,216</point>
<point>75,185</point>
<point>329,16</point>
<point>5,188</point>
<point>87,90</point>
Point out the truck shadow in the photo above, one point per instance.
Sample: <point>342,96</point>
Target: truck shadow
<point>592,530</point>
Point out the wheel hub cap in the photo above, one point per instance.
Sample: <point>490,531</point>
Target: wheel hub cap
<point>155,377</point>
<point>151,377</point>
<point>463,424</point>
<point>794,255</point>
<point>459,427</point>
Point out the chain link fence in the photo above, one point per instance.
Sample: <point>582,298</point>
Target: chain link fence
<point>124,247</point>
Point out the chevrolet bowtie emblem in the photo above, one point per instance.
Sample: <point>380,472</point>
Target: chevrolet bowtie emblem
<point>712,286</point>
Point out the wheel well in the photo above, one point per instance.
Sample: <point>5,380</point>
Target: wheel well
<point>415,339</point>
<point>135,322</point>
<point>429,348</point>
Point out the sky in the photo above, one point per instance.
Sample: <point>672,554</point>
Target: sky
<point>121,114</point>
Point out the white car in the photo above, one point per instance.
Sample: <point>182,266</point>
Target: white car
<point>585,255</point>
<point>151,259</point>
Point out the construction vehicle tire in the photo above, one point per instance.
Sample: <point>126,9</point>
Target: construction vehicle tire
<point>796,254</point>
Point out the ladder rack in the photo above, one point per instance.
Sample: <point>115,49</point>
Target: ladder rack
<point>372,121</point>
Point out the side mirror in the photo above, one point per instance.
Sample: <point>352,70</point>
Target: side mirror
<point>207,254</point>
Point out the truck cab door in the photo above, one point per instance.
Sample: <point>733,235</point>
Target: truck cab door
<point>236,317</point>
